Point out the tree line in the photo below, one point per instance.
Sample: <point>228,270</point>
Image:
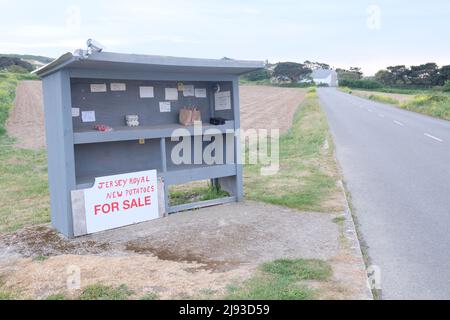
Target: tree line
<point>425,75</point>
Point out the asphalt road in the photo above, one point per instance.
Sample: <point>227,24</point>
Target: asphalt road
<point>397,168</point>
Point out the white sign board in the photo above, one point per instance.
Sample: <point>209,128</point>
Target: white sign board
<point>75,112</point>
<point>146,92</point>
<point>222,100</point>
<point>121,200</point>
<point>99,87</point>
<point>88,116</point>
<point>189,91</point>
<point>171,94</point>
<point>164,106</point>
<point>118,87</point>
<point>200,93</point>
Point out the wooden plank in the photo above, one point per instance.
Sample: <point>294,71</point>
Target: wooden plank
<point>201,204</point>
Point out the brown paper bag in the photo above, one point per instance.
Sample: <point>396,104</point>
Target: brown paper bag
<point>186,117</point>
<point>196,116</point>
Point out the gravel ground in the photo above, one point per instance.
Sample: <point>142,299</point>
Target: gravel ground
<point>206,249</point>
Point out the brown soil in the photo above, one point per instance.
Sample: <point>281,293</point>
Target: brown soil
<point>26,121</point>
<point>264,107</point>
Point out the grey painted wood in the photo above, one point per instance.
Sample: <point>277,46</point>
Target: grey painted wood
<point>209,203</point>
<point>60,153</point>
<point>124,133</point>
<point>237,142</point>
<point>150,63</point>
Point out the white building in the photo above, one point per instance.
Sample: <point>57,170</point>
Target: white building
<point>325,76</point>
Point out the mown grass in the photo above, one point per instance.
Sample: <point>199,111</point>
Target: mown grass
<point>308,172</point>
<point>282,280</point>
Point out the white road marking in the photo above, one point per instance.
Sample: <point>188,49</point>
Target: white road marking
<point>381,115</point>
<point>433,137</point>
<point>370,110</point>
<point>399,123</point>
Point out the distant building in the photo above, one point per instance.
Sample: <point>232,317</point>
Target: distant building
<point>325,77</point>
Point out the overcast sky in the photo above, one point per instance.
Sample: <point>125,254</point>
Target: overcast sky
<point>368,34</point>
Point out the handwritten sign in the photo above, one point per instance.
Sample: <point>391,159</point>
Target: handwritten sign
<point>120,200</point>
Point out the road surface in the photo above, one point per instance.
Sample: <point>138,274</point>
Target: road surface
<point>397,168</point>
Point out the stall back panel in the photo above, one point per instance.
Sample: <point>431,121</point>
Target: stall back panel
<point>111,106</point>
<point>103,159</point>
<point>224,147</point>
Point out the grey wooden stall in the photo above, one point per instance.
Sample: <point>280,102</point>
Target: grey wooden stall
<point>77,154</point>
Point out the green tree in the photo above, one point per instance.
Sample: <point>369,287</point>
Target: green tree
<point>354,73</point>
<point>292,70</point>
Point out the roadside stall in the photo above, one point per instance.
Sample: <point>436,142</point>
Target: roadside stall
<point>122,128</point>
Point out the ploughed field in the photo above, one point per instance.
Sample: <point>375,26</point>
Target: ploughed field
<point>262,107</point>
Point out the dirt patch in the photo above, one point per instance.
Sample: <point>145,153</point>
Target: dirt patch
<point>264,107</point>
<point>44,241</point>
<point>26,120</point>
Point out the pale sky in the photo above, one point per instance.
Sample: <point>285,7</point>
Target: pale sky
<point>368,34</point>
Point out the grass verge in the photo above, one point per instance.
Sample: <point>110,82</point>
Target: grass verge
<point>429,102</point>
<point>23,187</point>
<point>384,99</point>
<point>23,184</point>
<point>434,105</point>
<point>282,280</point>
<point>308,173</point>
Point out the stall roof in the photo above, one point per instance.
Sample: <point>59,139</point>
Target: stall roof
<point>146,63</point>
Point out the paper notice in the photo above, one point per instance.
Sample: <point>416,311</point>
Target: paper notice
<point>99,87</point>
<point>200,93</point>
<point>88,116</point>
<point>75,112</point>
<point>171,94</point>
<point>222,100</point>
<point>189,91</point>
<point>146,92</point>
<point>164,106</point>
<point>118,87</point>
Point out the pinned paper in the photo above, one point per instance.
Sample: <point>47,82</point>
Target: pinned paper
<point>118,87</point>
<point>100,87</point>
<point>180,86</point>
<point>171,94</point>
<point>88,116</point>
<point>75,112</point>
<point>146,92</point>
<point>200,93</point>
<point>222,100</point>
<point>189,91</point>
<point>164,106</point>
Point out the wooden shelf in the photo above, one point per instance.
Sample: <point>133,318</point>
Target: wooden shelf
<point>183,174</point>
<point>124,133</point>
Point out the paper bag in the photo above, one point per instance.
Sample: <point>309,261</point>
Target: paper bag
<point>196,116</point>
<point>186,117</point>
